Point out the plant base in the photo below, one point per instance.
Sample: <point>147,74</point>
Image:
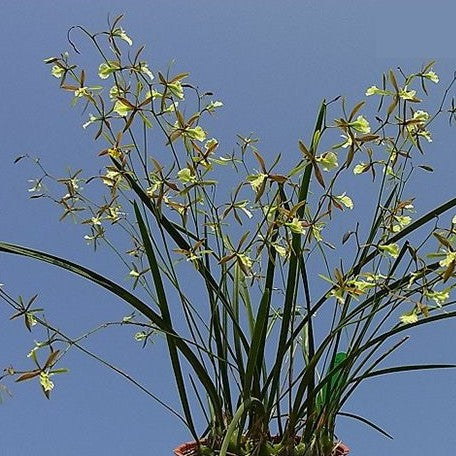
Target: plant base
<point>191,449</point>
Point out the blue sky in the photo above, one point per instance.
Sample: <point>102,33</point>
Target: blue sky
<point>271,63</point>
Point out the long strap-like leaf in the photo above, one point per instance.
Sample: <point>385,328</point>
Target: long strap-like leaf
<point>165,314</point>
<point>131,299</point>
<point>174,231</point>
<point>289,302</point>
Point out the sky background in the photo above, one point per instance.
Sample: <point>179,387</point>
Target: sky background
<point>271,63</point>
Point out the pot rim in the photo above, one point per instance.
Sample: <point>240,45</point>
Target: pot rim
<point>188,448</point>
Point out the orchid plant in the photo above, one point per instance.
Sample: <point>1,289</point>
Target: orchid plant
<point>285,331</point>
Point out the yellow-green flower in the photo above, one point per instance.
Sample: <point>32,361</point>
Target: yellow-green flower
<point>171,108</point>
<point>114,92</point>
<point>256,180</point>
<point>420,115</point>
<point>374,90</point>
<point>213,105</point>
<point>432,76</point>
<point>297,226</point>
<point>450,258</point>
<point>150,191</point>
<point>140,336</point>
<point>418,128</point>
<point>95,221</point>
<point>361,125</point>
<point>57,71</point>
<point>402,221</point>
<point>115,152</point>
<point>407,94</point>
<point>176,89</point>
<point>113,213</point>
<point>112,178</point>
<point>409,317</point>
<point>348,141</point>
<point>316,231</point>
<point>328,160</point>
<point>144,68</point>
<point>211,144</point>
<point>185,176</point>
<point>46,382</point>
<point>134,273</point>
<point>439,297</point>
<point>280,249</point>
<point>245,260</point>
<point>91,120</point>
<point>196,133</point>
<point>344,200</point>
<point>425,134</point>
<point>390,249</point>
<point>360,168</point>
<point>121,108</point>
<point>120,32</point>
<point>81,92</point>
<point>31,319</point>
<point>106,69</point>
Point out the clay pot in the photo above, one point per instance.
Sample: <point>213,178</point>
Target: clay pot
<point>189,449</point>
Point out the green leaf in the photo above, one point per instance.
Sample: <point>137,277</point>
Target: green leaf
<point>333,387</point>
<point>290,297</point>
<point>166,315</point>
<point>407,368</point>
<point>233,426</point>
<point>131,299</point>
<point>366,421</point>
<point>62,370</point>
<point>256,352</point>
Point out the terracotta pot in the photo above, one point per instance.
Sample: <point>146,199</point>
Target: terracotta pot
<point>189,449</point>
